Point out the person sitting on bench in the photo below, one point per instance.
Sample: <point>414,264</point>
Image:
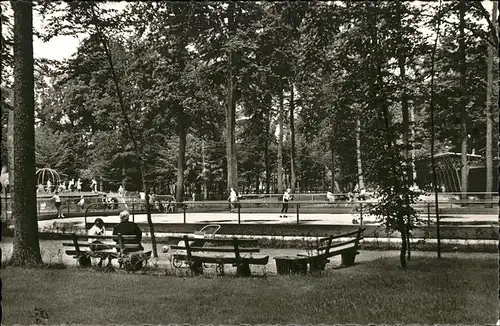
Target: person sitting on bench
<point>97,245</point>
<point>125,227</point>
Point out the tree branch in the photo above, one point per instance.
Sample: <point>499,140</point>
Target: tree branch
<point>493,42</point>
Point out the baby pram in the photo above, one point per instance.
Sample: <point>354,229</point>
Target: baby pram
<point>200,237</point>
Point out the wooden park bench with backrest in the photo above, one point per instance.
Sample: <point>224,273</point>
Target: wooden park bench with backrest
<point>128,254</point>
<point>225,251</point>
<point>325,248</point>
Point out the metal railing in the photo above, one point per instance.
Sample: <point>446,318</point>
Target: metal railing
<point>242,209</point>
<point>296,208</point>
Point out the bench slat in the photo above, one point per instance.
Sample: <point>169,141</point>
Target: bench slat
<point>344,235</point>
<point>108,237</point>
<point>232,260</point>
<point>104,245</point>
<point>93,253</point>
<point>339,244</point>
<point>215,249</point>
<point>103,253</point>
<point>216,240</point>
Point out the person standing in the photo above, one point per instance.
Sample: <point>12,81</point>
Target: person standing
<point>93,185</point>
<point>233,198</point>
<point>79,185</point>
<point>71,184</point>
<point>49,186</point>
<point>81,203</point>
<point>58,204</point>
<point>286,199</point>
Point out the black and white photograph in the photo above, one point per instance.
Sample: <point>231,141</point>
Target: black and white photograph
<point>249,162</point>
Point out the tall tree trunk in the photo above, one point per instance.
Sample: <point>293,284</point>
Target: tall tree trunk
<point>280,142</point>
<point>10,142</point>
<point>205,170</point>
<point>361,183</point>
<point>269,103</point>
<point>433,136</point>
<point>124,176</point>
<point>232,171</point>
<point>463,98</point>
<point>293,178</point>
<point>121,101</point>
<point>181,159</point>
<point>489,111</point>
<point>406,121</point>
<point>332,162</point>
<point>26,248</point>
<point>412,137</point>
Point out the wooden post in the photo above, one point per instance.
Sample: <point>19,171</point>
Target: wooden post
<point>133,213</point>
<point>242,269</point>
<point>298,221</point>
<point>75,242</point>
<point>120,242</point>
<point>184,212</point>
<point>195,266</point>
<point>428,216</point>
<point>239,216</point>
<point>361,214</point>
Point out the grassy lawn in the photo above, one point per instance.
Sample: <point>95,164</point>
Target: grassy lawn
<point>452,291</point>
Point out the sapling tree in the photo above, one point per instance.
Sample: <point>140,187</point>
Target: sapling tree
<point>85,16</point>
<point>390,168</point>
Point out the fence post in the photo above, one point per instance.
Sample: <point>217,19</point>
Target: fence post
<point>239,216</point>
<point>298,221</point>
<point>67,202</point>
<point>133,212</point>
<point>361,214</point>
<point>428,215</point>
<point>7,207</point>
<point>184,212</point>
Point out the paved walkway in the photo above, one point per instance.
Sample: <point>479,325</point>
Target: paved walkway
<point>261,218</point>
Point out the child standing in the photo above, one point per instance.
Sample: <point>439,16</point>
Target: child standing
<point>286,198</point>
<point>58,204</point>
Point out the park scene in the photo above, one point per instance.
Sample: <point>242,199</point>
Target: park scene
<point>239,162</point>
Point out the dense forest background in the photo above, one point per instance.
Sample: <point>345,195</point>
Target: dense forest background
<point>261,96</point>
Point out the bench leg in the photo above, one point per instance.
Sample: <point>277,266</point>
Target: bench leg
<point>219,269</point>
<point>84,261</point>
<point>348,258</point>
<point>196,267</point>
<point>299,267</point>
<point>317,264</point>
<point>243,270</point>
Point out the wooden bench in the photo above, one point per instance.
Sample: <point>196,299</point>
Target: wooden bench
<point>129,255</point>
<point>317,258</point>
<point>197,253</point>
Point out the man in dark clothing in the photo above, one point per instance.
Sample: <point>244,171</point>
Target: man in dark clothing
<point>128,228</point>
